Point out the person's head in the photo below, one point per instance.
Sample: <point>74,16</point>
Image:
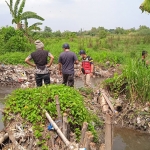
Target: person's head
<point>65,46</point>
<point>144,53</point>
<point>39,44</point>
<point>82,53</point>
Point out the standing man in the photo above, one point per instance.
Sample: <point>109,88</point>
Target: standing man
<point>40,63</point>
<point>144,55</point>
<point>66,62</point>
<point>86,68</point>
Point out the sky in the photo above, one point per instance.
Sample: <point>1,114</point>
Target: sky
<point>73,15</point>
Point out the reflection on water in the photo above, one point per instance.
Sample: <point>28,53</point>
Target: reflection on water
<point>94,82</point>
<point>126,139</point>
<point>4,91</point>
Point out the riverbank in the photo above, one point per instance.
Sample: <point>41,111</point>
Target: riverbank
<point>130,115</point>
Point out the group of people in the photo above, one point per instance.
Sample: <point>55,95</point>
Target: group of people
<point>66,62</point>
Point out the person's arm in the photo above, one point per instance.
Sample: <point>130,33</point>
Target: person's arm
<point>76,62</point>
<point>60,68</point>
<point>51,60</point>
<point>92,65</point>
<point>80,70</point>
<point>27,60</point>
<point>92,69</point>
<point>76,59</point>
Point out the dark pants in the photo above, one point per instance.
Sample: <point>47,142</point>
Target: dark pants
<point>40,77</point>
<point>68,78</point>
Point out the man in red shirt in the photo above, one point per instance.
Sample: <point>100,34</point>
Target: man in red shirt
<point>86,68</point>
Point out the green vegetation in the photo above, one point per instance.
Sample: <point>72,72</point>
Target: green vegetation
<point>31,103</point>
<point>18,15</point>
<point>117,46</point>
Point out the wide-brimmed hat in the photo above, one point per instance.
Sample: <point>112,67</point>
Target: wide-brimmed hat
<point>38,44</point>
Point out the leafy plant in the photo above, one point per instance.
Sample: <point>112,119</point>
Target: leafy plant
<point>31,103</point>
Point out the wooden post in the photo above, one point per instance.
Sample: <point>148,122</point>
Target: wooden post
<point>87,140</point>
<point>108,132</point>
<point>84,128</point>
<point>92,146</point>
<point>102,147</point>
<point>72,137</point>
<point>65,125</point>
<point>58,111</point>
<point>58,106</point>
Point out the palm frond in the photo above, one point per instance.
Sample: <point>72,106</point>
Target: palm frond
<point>37,24</point>
<point>13,21</point>
<point>10,7</point>
<point>11,4</point>
<point>34,28</point>
<point>29,14</point>
<point>21,7</point>
<point>16,7</point>
<point>26,23</point>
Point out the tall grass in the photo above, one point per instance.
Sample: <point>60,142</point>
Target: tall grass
<point>138,79</point>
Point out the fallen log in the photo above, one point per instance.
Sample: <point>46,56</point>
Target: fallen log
<point>107,100</point>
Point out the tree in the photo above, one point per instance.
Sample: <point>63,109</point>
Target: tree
<point>119,30</point>
<point>18,15</point>
<point>145,6</point>
<point>143,27</point>
<point>47,29</point>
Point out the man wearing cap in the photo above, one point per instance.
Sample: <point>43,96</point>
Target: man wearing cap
<point>66,62</point>
<point>40,58</point>
<point>86,68</point>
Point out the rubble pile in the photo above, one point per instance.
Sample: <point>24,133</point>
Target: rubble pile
<point>21,76</point>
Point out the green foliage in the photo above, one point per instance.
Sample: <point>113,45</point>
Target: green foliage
<point>14,58</point>
<point>145,6</point>
<point>134,81</point>
<point>138,79</point>
<point>31,103</point>
<point>17,44</point>
<point>116,85</point>
<point>8,33</point>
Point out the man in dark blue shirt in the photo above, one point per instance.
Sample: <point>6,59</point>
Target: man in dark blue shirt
<point>66,61</point>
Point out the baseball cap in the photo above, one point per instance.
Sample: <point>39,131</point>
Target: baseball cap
<point>82,52</point>
<point>66,46</point>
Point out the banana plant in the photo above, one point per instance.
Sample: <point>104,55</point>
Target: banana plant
<point>32,27</point>
<point>18,15</point>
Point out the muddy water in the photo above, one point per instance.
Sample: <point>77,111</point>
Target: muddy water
<point>4,91</point>
<point>127,139</point>
<point>124,139</point>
